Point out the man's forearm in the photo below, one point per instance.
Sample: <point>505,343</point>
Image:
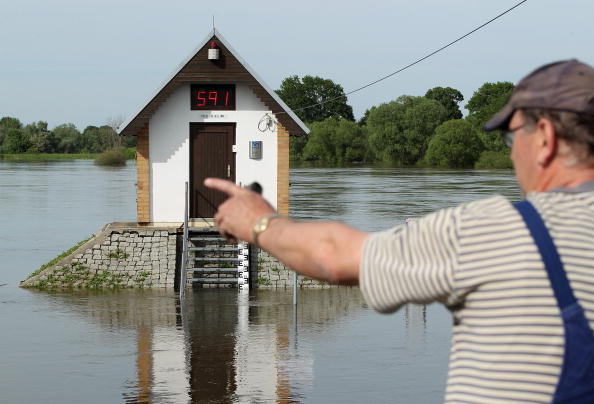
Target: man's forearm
<point>328,251</point>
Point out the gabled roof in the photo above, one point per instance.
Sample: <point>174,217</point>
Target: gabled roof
<point>231,68</point>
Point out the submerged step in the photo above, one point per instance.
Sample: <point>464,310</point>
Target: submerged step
<point>203,230</point>
<point>202,270</point>
<point>217,259</point>
<point>233,281</point>
<point>207,238</point>
<point>215,249</point>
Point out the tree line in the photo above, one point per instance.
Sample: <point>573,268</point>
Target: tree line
<point>426,130</point>
<point>35,137</point>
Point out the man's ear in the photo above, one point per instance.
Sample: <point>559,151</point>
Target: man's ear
<point>546,142</point>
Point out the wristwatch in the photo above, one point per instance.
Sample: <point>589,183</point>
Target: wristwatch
<point>261,225</point>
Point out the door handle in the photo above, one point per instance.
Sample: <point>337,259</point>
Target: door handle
<point>228,170</point>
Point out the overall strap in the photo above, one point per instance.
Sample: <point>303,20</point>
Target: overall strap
<point>549,254</point>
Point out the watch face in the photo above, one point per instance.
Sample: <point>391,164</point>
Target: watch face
<point>262,225</point>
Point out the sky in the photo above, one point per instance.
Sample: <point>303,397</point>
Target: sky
<point>87,62</point>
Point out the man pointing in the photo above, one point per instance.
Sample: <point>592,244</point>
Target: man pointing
<point>519,280</point>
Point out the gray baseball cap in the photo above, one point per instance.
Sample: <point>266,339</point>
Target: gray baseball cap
<point>564,86</point>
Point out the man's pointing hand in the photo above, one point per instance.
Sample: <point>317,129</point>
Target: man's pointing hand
<point>236,217</point>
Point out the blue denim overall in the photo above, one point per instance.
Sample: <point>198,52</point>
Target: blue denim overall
<point>576,383</point>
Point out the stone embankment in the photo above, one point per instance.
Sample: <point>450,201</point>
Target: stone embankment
<point>125,255</point>
<point>274,275</point>
<point>119,256</point>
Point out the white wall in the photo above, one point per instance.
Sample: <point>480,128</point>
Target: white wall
<point>169,149</point>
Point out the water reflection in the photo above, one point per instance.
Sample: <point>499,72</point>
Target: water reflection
<point>247,348</point>
<point>219,345</point>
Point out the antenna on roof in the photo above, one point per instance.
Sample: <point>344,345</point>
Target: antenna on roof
<point>213,25</point>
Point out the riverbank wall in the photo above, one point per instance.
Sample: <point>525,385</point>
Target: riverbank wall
<point>128,255</point>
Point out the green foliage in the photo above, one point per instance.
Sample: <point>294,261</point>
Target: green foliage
<point>399,131</point>
<point>9,122</point>
<point>493,142</point>
<point>112,158</point>
<point>363,120</point>
<point>493,159</point>
<point>129,142</point>
<point>105,279</point>
<point>141,280</point>
<point>37,138</point>
<point>308,92</point>
<point>42,140</point>
<point>296,146</point>
<point>78,275</point>
<point>118,254</point>
<point>455,144</point>
<point>69,138</point>
<point>15,141</point>
<point>130,153</point>
<point>336,141</point>
<point>488,100</point>
<point>98,139</point>
<point>448,97</point>
<point>264,281</point>
<point>91,140</point>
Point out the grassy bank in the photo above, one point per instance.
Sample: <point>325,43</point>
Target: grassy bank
<point>57,259</point>
<point>47,156</point>
<point>129,153</point>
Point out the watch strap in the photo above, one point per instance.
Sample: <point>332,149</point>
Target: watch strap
<point>261,225</point>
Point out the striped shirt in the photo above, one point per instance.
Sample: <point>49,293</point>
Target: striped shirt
<point>480,261</point>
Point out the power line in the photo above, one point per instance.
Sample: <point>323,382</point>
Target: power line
<point>418,60</point>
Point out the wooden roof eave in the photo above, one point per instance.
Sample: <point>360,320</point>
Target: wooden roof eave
<point>281,111</point>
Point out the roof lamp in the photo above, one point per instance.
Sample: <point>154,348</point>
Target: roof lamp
<point>213,51</point>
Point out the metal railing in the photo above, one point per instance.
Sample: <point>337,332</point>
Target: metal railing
<point>184,261</point>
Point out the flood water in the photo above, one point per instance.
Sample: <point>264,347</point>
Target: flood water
<point>139,346</point>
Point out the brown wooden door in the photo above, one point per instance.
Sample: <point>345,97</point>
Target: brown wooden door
<point>211,155</point>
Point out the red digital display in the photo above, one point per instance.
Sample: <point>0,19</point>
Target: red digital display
<point>212,97</point>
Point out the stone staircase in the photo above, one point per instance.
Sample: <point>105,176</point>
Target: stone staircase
<point>210,261</point>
